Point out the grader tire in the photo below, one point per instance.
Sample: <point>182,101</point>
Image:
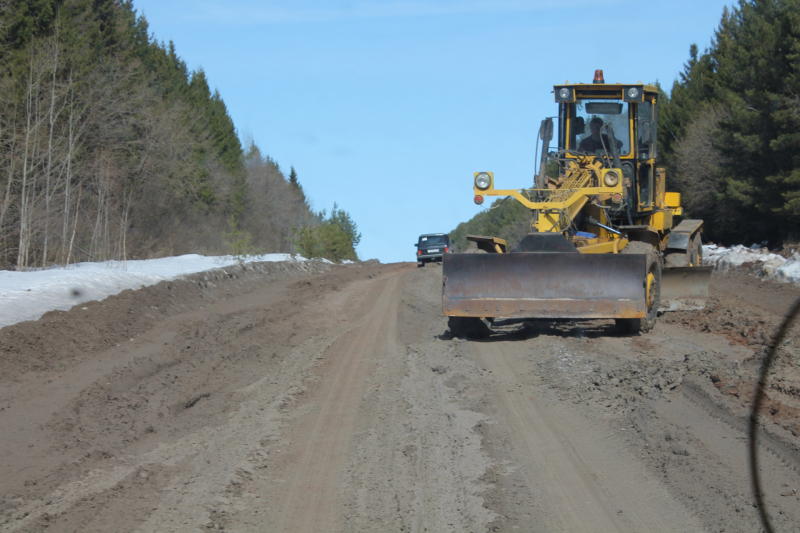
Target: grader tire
<point>677,259</point>
<point>693,256</point>
<point>696,251</point>
<point>467,327</point>
<point>643,325</point>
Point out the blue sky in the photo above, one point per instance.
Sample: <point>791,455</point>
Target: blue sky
<point>388,108</point>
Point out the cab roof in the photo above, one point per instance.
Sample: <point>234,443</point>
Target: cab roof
<point>609,86</point>
<point>571,92</point>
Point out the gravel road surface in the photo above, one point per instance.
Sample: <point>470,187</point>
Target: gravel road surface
<point>318,398</point>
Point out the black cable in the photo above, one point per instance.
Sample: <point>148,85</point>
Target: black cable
<point>498,205</point>
<point>757,401</point>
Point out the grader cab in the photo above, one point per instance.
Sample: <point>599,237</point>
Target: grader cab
<point>605,238</point>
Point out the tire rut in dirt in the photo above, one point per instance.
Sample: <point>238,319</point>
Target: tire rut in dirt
<point>172,389</point>
<point>419,464</point>
<point>783,446</point>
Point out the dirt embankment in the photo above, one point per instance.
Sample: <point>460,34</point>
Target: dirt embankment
<point>285,399</point>
<point>748,312</point>
<point>63,338</point>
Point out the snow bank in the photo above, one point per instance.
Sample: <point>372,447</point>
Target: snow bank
<point>29,295</point>
<point>764,263</point>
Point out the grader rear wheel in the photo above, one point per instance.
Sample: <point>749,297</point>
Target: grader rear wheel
<point>677,259</point>
<point>696,251</point>
<point>693,256</point>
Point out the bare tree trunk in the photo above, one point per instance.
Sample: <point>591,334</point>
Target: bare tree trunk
<point>106,239</point>
<point>124,229</point>
<point>30,259</point>
<point>7,197</point>
<point>75,225</point>
<point>24,230</point>
<point>98,218</point>
<point>68,180</point>
<point>50,148</point>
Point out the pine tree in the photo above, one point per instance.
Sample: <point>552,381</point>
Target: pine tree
<point>749,80</point>
<point>296,184</point>
<point>334,238</point>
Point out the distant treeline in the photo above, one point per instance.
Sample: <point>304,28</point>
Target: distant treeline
<point>728,132</point>
<point>112,149</point>
<point>507,219</point>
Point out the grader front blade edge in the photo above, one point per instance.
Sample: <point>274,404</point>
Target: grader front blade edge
<point>544,285</point>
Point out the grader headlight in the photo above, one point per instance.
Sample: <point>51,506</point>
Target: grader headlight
<point>564,95</point>
<point>611,179</point>
<point>483,180</point>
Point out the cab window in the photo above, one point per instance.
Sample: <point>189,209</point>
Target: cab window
<point>589,131</point>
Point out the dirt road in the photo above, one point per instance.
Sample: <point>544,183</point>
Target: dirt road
<point>322,399</point>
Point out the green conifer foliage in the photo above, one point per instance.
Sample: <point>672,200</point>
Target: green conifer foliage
<point>29,19</point>
<point>296,184</point>
<point>729,131</point>
<point>333,238</point>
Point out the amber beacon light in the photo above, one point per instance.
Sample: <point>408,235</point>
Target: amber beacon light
<point>598,76</point>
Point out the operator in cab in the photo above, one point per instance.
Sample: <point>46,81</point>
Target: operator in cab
<point>595,141</point>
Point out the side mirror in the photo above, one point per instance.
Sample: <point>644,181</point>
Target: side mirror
<point>546,129</point>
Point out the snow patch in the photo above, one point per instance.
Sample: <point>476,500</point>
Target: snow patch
<point>765,264</point>
<point>28,295</point>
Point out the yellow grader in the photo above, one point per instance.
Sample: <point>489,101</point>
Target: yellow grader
<point>605,242</point>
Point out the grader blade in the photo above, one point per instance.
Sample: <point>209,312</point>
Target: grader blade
<point>544,285</point>
<point>684,288</point>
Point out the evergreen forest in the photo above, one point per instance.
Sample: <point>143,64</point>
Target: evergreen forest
<point>728,133</point>
<point>113,149</point>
